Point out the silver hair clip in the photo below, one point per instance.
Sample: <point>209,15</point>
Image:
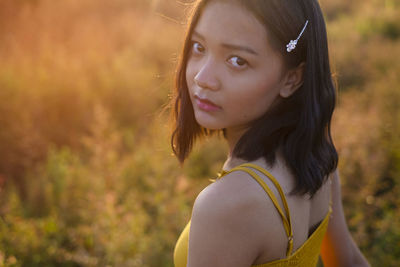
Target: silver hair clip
<point>292,44</point>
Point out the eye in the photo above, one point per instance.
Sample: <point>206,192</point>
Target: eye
<point>197,47</point>
<point>238,61</point>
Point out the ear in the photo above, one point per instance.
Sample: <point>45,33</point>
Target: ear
<point>292,81</point>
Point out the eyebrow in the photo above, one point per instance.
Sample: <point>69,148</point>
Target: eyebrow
<point>231,46</point>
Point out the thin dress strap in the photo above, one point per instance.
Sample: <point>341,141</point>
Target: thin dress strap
<point>284,215</point>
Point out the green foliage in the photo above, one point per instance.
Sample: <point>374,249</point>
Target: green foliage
<point>86,172</point>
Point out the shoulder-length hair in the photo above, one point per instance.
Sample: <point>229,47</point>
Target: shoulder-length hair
<point>297,126</point>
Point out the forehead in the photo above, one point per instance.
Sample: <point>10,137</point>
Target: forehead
<point>225,21</point>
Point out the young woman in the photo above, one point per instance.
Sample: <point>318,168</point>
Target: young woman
<point>258,72</point>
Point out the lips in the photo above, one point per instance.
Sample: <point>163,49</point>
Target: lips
<point>206,104</point>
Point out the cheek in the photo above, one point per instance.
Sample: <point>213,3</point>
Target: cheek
<point>252,99</point>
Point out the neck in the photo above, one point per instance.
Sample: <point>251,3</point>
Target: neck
<point>232,137</point>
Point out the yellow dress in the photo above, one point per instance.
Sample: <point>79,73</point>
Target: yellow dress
<point>306,255</point>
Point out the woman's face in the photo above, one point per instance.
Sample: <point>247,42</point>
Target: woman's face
<point>232,65</point>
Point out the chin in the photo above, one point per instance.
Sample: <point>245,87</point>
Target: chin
<point>208,123</point>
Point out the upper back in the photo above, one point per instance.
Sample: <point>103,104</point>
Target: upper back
<point>273,225</point>
<point>305,213</point>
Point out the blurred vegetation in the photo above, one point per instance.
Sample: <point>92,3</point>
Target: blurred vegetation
<point>87,177</point>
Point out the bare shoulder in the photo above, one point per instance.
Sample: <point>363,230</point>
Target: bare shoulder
<point>234,193</point>
<point>231,220</point>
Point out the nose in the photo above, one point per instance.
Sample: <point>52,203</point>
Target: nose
<point>206,77</point>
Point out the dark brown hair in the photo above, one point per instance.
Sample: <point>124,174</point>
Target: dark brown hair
<point>299,126</point>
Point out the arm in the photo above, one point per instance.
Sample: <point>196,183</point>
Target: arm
<point>338,247</point>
